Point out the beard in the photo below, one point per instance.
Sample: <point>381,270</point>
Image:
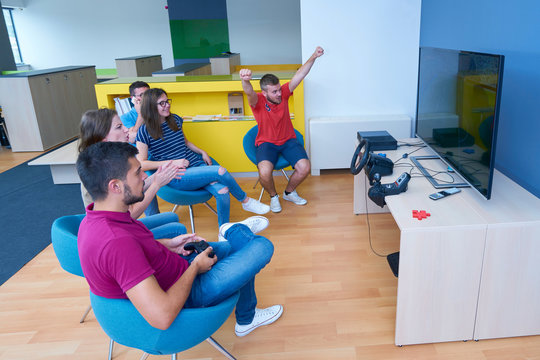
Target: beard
<point>275,101</point>
<point>129,198</point>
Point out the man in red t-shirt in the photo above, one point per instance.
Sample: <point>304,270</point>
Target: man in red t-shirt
<point>276,133</point>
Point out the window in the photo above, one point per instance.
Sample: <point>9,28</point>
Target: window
<point>12,35</point>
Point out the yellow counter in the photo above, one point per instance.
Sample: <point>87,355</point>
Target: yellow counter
<point>208,95</point>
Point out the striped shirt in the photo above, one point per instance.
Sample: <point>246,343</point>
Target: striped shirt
<point>171,147</point>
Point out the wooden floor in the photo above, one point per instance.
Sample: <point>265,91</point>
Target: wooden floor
<point>339,297</point>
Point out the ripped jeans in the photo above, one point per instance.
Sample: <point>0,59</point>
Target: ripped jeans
<point>208,178</point>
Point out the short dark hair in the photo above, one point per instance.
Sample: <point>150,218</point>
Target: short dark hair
<point>137,85</point>
<point>102,162</point>
<point>268,79</point>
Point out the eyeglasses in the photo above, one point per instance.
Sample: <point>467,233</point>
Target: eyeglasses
<point>165,102</point>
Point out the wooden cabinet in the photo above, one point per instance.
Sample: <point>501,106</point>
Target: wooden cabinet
<point>137,66</point>
<point>43,108</point>
<point>224,64</point>
<point>470,270</point>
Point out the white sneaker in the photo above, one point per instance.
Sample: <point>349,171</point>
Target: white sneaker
<point>295,198</point>
<point>255,223</point>
<point>262,317</point>
<point>256,207</point>
<point>275,206</point>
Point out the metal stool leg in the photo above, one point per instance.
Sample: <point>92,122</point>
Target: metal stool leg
<point>111,346</point>
<point>220,348</point>
<point>211,208</point>
<point>144,356</point>
<point>86,313</point>
<point>191,219</point>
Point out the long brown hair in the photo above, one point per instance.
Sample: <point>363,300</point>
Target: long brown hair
<point>150,113</point>
<point>95,126</point>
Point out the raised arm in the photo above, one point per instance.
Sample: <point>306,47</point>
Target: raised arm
<point>304,69</point>
<point>245,75</point>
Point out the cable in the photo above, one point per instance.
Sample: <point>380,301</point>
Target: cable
<point>367,218</point>
<point>406,155</point>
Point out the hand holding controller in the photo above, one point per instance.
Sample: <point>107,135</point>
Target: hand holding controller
<point>198,247</point>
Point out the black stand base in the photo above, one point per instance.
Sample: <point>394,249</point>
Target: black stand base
<point>393,261</point>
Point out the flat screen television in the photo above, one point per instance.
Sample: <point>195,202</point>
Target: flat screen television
<point>457,112</point>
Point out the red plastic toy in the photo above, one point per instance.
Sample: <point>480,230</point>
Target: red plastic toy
<point>420,214</point>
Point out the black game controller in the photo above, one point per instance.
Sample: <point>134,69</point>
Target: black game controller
<point>198,247</point>
<point>379,191</point>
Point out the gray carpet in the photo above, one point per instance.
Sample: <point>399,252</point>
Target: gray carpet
<point>29,203</point>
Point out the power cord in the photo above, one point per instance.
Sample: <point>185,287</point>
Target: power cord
<point>367,219</point>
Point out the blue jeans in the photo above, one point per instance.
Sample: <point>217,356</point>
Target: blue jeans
<point>239,260</point>
<point>207,177</point>
<point>152,208</point>
<point>164,225</point>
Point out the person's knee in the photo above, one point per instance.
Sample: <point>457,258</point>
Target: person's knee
<point>224,190</point>
<point>222,170</point>
<point>265,248</point>
<point>303,166</point>
<point>265,169</point>
<point>181,229</point>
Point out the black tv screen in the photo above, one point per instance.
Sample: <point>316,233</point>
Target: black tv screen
<point>459,94</point>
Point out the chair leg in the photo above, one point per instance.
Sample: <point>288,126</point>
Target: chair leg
<point>86,313</point>
<point>220,348</point>
<point>111,346</point>
<point>191,219</point>
<point>173,357</point>
<point>174,208</point>
<point>211,208</point>
<point>144,356</point>
<point>262,190</point>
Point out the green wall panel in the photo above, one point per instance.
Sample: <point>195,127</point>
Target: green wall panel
<point>199,38</point>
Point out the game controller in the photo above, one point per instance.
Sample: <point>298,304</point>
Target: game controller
<point>199,247</point>
<point>379,191</point>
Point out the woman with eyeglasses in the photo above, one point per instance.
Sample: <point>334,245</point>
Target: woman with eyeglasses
<point>105,125</point>
<point>161,135</point>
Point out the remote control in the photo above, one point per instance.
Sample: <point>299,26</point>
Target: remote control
<point>444,193</point>
<point>198,247</point>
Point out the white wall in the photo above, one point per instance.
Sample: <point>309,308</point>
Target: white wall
<point>265,32</point>
<point>370,64</point>
<point>55,33</point>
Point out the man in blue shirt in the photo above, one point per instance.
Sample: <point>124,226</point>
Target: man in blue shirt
<point>132,119</point>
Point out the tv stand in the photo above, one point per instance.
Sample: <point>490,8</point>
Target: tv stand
<point>470,270</point>
<point>437,185</point>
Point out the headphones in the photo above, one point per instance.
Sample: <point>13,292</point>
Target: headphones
<point>355,169</point>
